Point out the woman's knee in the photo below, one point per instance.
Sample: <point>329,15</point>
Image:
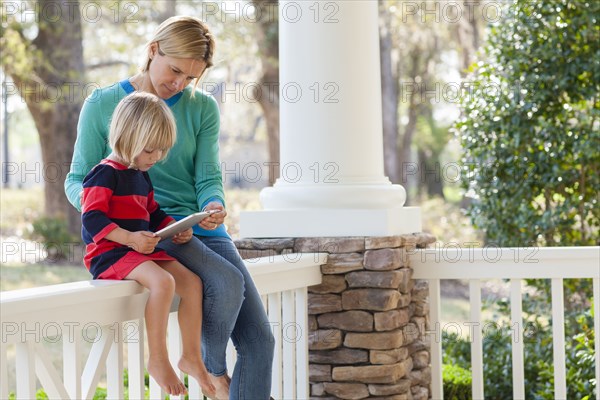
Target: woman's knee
<point>227,282</point>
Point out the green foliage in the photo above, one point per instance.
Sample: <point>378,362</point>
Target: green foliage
<point>531,128</point>
<point>457,382</point>
<point>101,393</point>
<point>53,233</point>
<point>538,347</point>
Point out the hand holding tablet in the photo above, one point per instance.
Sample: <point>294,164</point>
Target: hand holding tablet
<point>183,224</point>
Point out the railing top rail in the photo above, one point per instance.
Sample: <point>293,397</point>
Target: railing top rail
<point>271,274</point>
<point>286,272</point>
<point>453,262</point>
<point>285,262</point>
<point>62,288</point>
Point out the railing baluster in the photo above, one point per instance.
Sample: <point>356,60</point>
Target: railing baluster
<point>92,371</point>
<point>265,301</point>
<point>114,363</point>
<point>596,290</point>
<point>476,340</point>
<point>194,390</point>
<point>518,360</point>
<point>274,314</point>
<point>121,305</point>
<point>289,353</point>
<point>302,391</point>
<point>558,339</point>
<point>174,346</point>
<point>46,373</point>
<point>134,335</point>
<point>231,356</point>
<point>3,371</point>
<point>435,340</point>
<point>25,364</point>
<point>156,392</point>
<point>72,362</point>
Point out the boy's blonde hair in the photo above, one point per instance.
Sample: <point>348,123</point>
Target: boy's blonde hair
<point>183,37</point>
<point>141,121</point>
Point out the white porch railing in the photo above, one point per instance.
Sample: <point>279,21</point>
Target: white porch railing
<point>109,314</point>
<point>516,264</point>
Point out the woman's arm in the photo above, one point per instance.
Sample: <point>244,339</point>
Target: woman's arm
<point>90,147</point>
<point>209,183</point>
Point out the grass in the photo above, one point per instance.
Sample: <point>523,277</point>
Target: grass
<point>22,276</point>
<point>18,209</point>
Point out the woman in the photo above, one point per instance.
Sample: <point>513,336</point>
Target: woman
<point>188,181</point>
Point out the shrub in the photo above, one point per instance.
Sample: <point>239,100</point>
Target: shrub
<point>457,382</point>
<point>53,233</point>
<point>539,371</point>
<point>530,126</point>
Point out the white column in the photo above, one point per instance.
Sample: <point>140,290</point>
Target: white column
<point>332,181</point>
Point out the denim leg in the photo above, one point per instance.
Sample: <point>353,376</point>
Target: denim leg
<point>251,335</point>
<point>223,297</point>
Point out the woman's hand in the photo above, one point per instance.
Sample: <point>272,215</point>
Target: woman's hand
<point>142,241</point>
<point>183,237</point>
<point>214,220</point>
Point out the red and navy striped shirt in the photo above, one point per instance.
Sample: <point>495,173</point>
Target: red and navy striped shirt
<point>116,196</point>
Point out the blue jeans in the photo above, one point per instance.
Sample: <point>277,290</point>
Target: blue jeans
<point>232,308</point>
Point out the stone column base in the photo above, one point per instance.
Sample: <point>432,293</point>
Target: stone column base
<point>368,318</point>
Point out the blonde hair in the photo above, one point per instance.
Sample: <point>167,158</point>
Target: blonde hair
<point>141,121</point>
<point>183,37</point>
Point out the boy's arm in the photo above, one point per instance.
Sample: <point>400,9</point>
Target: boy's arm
<point>141,241</point>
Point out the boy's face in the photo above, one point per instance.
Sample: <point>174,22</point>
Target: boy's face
<point>147,159</point>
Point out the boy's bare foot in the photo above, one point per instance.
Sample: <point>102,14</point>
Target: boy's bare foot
<point>165,376</point>
<point>195,368</point>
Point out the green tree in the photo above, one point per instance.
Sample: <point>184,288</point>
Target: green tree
<point>45,61</point>
<point>530,126</point>
<point>267,37</point>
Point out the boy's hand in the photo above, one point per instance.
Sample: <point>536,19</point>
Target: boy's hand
<point>142,241</point>
<point>183,237</point>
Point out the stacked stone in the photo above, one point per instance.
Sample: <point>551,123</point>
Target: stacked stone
<point>367,318</point>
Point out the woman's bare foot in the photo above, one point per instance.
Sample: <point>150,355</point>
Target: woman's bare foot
<point>165,376</point>
<point>221,383</point>
<point>195,368</point>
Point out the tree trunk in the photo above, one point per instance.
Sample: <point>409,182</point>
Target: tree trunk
<point>389,97</point>
<point>54,96</point>
<point>467,34</point>
<point>267,33</point>
<point>410,170</point>
<point>433,184</point>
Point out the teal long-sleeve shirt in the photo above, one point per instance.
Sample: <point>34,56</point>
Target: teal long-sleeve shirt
<point>190,176</point>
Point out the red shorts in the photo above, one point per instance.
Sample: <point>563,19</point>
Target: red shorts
<point>130,261</point>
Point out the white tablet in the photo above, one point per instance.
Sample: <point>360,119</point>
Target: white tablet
<point>183,224</point>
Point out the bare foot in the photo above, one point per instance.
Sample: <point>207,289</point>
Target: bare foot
<point>221,383</point>
<point>195,368</point>
<point>165,376</point>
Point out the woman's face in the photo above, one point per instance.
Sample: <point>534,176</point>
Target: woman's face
<point>169,75</point>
